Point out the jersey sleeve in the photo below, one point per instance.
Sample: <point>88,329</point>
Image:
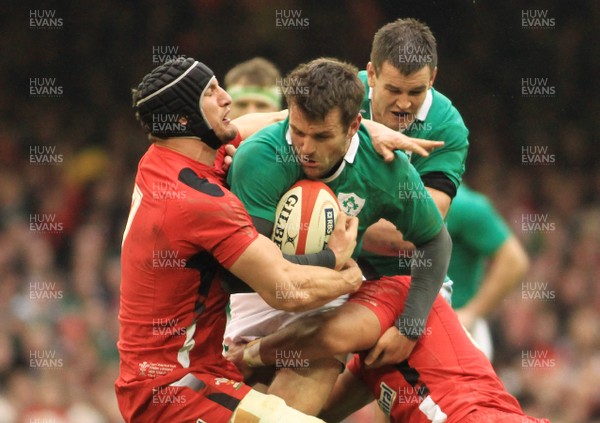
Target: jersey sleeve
<point>260,174</point>
<point>413,212</point>
<point>219,224</point>
<point>475,222</point>
<point>451,158</point>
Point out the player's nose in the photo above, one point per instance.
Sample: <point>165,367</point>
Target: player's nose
<point>252,109</point>
<point>307,146</point>
<point>224,98</point>
<point>403,102</point>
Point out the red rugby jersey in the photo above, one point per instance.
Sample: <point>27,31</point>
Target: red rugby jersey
<point>183,223</point>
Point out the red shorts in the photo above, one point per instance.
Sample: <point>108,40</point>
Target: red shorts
<point>446,374</point>
<point>385,297</point>
<point>194,398</point>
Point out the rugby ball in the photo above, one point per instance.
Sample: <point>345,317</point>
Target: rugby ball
<point>305,218</point>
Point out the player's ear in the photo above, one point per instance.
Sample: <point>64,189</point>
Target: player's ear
<point>354,125</point>
<point>433,75</point>
<point>371,76</point>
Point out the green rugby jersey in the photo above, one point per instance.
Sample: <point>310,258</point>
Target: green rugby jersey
<point>437,120</point>
<point>477,232</point>
<point>265,167</point>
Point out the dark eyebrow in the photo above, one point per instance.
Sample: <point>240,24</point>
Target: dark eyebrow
<point>419,88</point>
<point>322,134</point>
<point>292,126</point>
<point>326,133</point>
<point>412,90</point>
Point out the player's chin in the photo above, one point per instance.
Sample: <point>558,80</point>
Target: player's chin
<point>227,134</point>
<point>312,172</point>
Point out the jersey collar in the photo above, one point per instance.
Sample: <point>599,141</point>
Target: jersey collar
<point>348,157</point>
<point>424,110</point>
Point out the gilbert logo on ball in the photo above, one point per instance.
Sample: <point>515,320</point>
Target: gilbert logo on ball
<point>305,217</point>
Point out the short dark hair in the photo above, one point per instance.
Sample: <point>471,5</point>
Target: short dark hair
<point>407,44</point>
<point>257,71</point>
<point>319,86</point>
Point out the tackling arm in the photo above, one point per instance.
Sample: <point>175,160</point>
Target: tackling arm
<point>253,122</point>
<point>263,267</point>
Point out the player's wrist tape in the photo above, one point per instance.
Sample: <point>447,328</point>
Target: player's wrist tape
<point>409,328</point>
<point>251,354</point>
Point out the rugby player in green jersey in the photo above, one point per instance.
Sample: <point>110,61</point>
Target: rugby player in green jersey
<point>399,94</point>
<point>323,139</point>
<point>487,262</point>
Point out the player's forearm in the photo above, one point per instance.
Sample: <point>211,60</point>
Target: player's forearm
<point>386,140</point>
<point>427,278</point>
<point>508,268</point>
<point>290,287</point>
<point>254,122</point>
<point>311,287</point>
<point>314,337</point>
<point>298,336</point>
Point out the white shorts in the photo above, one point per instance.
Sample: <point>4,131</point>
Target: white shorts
<point>251,317</point>
<point>480,332</point>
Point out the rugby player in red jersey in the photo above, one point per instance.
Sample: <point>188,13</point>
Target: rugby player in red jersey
<point>184,229</point>
<point>446,378</point>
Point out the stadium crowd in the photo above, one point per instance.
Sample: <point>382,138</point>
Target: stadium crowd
<point>65,154</point>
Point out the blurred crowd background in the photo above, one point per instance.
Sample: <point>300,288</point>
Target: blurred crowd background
<point>69,152</point>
